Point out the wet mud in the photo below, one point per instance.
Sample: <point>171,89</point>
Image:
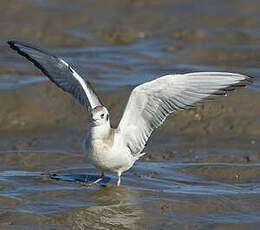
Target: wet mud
<point>201,170</point>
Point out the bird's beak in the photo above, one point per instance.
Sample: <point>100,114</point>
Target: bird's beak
<point>91,120</point>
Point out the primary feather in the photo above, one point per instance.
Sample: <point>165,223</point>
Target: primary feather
<point>150,103</point>
<point>59,72</point>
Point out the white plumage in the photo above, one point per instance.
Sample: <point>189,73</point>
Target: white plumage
<point>149,104</point>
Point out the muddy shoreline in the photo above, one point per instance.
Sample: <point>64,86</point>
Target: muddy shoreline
<point>201,170</point>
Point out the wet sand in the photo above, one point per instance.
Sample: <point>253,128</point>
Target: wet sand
<point>201,170</point>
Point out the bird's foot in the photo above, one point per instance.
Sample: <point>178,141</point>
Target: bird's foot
<point>92,183</point>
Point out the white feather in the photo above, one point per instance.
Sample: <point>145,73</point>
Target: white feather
<point>150,103</point>
<point>92,100</point>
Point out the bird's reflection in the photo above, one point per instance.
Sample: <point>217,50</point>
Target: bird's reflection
<point>113,208</point>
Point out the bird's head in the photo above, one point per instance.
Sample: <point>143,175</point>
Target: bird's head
<point>99,116</point>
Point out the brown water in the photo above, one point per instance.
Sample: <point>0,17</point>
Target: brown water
<point>201,170</point>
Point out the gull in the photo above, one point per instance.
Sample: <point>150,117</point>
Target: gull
<point>116,150</point>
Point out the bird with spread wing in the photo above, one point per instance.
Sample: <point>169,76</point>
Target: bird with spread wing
<point>116,150</point>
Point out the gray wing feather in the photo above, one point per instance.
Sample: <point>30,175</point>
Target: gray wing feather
<point>150,103</point>
<point>59,72</point>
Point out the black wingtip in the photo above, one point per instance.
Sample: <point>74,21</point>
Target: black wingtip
<point>11,44</point>
<point>15,46</point>
<point>250,80</point>
<point>18,46</point>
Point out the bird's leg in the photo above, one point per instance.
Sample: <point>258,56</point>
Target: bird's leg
<point>119,179</point>
<point>99,179</point>
<point>94,182</point>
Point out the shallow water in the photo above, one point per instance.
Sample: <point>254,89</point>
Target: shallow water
<point>155,195</point>
<point>201,170</point>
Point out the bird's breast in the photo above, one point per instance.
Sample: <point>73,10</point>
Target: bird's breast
<point>107,157</point>
<point>99,152</point>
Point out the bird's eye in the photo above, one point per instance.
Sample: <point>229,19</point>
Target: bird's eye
<point>102,115</point>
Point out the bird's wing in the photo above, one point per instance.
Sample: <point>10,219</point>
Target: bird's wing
<point>150,103</point>
<point>59,72</point>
